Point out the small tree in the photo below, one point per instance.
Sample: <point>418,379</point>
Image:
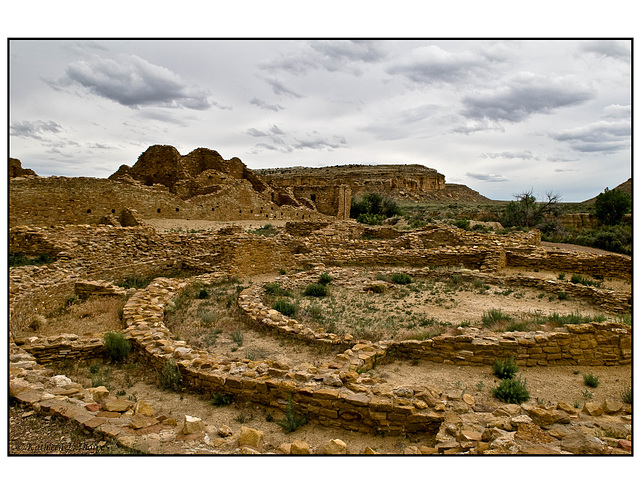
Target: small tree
<point>527,212</point>
<point>611,206</point>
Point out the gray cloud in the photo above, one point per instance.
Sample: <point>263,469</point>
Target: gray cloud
<point>432,64</point>
<point>470,127</point>
<point>598,137</point>
<point>278,140</point>
<point>266,106</point>
<point>329,55</point>
<point>619,50</point>
<point>510,155</point>
<point>134,82</point>
<point>316,142</point>
<point>256,133</point>
<point>560,158</point>
<point>35,129</point>
<point>524,95</point>
<point>279,88</point>
<point>487,177</point>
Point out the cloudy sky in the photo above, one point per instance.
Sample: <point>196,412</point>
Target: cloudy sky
<point>501,116</point>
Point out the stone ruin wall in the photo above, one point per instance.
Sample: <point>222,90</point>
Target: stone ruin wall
<point>384,179</point>
<point>333,394</point>
<point>80,200</point>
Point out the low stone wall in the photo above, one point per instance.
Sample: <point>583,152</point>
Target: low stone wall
<point>589,344</point>
<point>326,394</point>
<point>605,265</point>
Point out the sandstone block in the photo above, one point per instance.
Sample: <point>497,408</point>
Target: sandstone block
<point>251,438</point>
<point>335,447</point>
<point>300,447</point>
<point>192,425</point>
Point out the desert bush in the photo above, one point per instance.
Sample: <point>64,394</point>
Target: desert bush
<point>238,337</point>
<point>203,294</point>
<point>370,219</point>
<point>374,205</point>
<point>401,278</point>
<point>292,419</point>
<point>505,369</point>
<point>462,223</point>
<point>22,260</point>
<point>591,380</point>
<point>208,317</point>
<point>315,290</point>
<point>275,289</point>
<point>37,322</point>
<point>579,279</point>
<point>170,377</point>
<point>134,282</point>
<point>325,278</point>
<point>494,316</point>
<point>627,395</point>
<point>219,399</point>
<point>117,346</point>
<point>285,307</point>
<point>512,391</point>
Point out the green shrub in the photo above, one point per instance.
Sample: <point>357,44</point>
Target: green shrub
<point>561,276</point>
<point>292,419</point>
<point>591,380</point>
<point>611,206</point>
<point>275,289</point>
<point>401,278</point>
<point>219,399</point>
<point>512,391</point>
<point>505,369</point>
<point>203,294</point>
<point>462,223</point>
<point>325,278</point>
<point>494,316</point>
<point>170,377</point>
<point>315,290</point>
<point>117,346</point>
<point>238,337</point>
<point>579,279</point>
<point>285,307</point>
<point>562,295</point>
<point>370,219</point>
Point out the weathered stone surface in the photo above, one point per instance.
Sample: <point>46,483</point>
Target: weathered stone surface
<point>335,447</point>
<point>251,438</point>
<point>118,405</point>
<point>99,393</point>
<point>192,425</point>
<point>579,443</point>
<point>143,408</point>
<point>592,409</point>
<point>610,406</point>
<point>300,447</point>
